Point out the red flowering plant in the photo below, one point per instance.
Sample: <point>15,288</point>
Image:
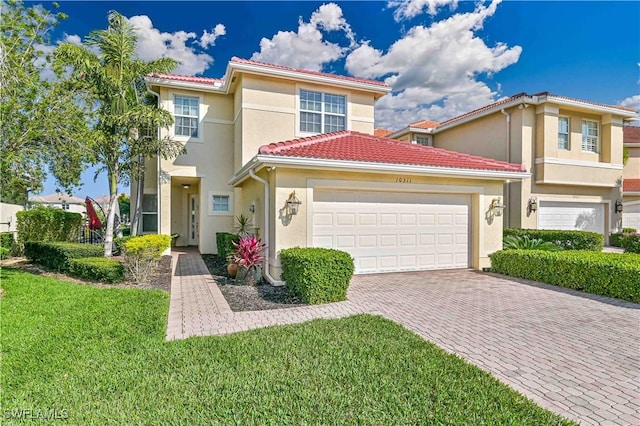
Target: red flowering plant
<point>249,252</point>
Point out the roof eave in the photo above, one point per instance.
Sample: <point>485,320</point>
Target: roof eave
<point>262,160</point>
<point>184,84</point>
<point>587,105</point>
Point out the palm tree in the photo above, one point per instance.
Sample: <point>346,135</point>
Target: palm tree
<point>127,121</point>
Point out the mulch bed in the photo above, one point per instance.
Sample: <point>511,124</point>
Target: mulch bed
<point>160,280</point>
<point>243,297</point>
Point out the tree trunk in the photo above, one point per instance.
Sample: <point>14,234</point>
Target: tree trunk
<point>111,214</point>
<point>137,212</point>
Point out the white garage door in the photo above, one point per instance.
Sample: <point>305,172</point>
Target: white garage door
<point>631,216</point>
<point>387,232</point>
<point>580,216</point>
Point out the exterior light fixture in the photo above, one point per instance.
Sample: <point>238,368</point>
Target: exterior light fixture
<point>252,208</point>
<point>497,207</point>
<point>186,185</point>
<point>533,205</point>
<point>618,206</point>
<point>293,203</point>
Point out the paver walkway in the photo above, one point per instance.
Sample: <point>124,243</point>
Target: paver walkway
<point>575,354</point>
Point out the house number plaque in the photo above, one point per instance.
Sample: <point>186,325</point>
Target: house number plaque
<point>400,179</point>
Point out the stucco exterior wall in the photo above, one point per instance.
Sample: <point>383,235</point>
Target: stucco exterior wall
<point>632,168</point>
<point>293,231</point>
<point>8,217</point>
<point>485,137</point>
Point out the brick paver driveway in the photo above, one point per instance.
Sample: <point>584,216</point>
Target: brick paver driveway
<point>575,354</point>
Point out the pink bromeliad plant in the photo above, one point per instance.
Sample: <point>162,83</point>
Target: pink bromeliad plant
<point>249,251</point>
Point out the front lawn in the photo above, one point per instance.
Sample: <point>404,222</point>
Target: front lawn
<point>98,356</point>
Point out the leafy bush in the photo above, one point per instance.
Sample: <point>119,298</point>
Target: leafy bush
<point>317,275</point>
<point>615,240</point>
<point>7,242</point>
<point>56,255</point>
<point>568,240</point>
<point>607,274</point>
<point>224,242</point>
<point>511,242</point>
<point>629,230</point>
<point>631,243</point>
<point>97,269</point>
<point>4,253</point>
<point>47,224</point>
<point>141,255</point>
<point>118,244</point>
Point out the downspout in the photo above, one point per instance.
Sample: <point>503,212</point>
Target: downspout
<point>157,95</point>
<point>507,184</point>
<point>265,270</point>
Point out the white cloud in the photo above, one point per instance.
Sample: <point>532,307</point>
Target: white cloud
<point>406,9</point>
<point>209,38</point>
<point>632,102</point>
<point>179,45</point>
<point>434,70</point>
<point>306,48</point>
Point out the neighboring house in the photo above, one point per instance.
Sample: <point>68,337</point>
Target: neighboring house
<point>60,201</point>
<point>420,133</point>
<point>573,148</point>
<point>295,150</point>
<point>382,133</point>
<point>631,179</point>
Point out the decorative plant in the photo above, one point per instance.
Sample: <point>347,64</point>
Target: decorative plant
<point>243,225</point>
<point>249,252</point>
<point>512,242</point>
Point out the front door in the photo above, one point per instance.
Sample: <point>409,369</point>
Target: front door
<point>194,220</point>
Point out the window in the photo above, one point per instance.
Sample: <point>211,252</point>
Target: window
<point>186,112</point>
<point>422,140</point>
<point>322,112</point>
<point>65,205</point>
<point>563,132</point>
<point>149,213</point>
<point>589,136</point>
<point>220,203</point>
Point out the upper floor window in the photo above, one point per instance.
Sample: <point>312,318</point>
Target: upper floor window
<point>186,110</point>
<point>563,132</point>
<point>65,206</point>
<point>322,112</point>
<point>589,136</point>
<point>422,140</point>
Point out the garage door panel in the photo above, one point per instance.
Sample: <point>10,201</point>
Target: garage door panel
<point>387,232</point>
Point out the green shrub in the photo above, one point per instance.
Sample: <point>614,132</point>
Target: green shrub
<point>4,253</point>
<point>97,269</point>
<point>511,242</point>
<point>118,244</point>
<point>56,255</point>
<point>224,242</point>
<point>607,274</point>
<point>141,255</point>
<point>629,230</point>
<point>126,232</point>
<point>47,224</point>
<point>7,242</point>
<point>568,240</point>
<point>317,275</point>
<point>631,243</point>
<point>615,240</point>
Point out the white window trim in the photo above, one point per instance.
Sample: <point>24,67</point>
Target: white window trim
<point>219,194</point>
<point>428,139</point>
<point>329,91</point>
<point>597,145</point>
<point>568,148</point>
<point>201,114</point>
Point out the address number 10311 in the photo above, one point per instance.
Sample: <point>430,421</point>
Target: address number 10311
<point>402,179</point>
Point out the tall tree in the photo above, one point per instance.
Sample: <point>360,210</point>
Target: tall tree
<point>43,123</point>
<point>126,119</point>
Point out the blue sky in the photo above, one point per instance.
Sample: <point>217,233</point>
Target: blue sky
<point>441,57</point>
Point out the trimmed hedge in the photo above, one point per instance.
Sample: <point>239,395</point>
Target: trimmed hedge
<point>56,255</point>
<point>607,274</point>
<point>631,243</point>
<point>48,224</point>
<point>141,255</point>
<point>7,243</point>
<point>568,240</point>
<point>224,242</point>
<point>4,253</point>
<point>317,275</point>
<point>97,269</point>
<point>615,240</point>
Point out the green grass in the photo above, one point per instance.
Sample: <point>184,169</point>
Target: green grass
<point>100,355</point>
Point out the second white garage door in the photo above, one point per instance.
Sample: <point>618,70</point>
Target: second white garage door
<point>568,216</point>
<point>387,232</point>
<point>631,215</point>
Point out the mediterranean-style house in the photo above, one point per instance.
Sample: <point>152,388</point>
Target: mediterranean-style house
<point>296,151</point>
<point>573,148</point>
<point>631,179</point>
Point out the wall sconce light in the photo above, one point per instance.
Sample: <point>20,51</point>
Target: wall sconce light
<point>252,208</point>
<point>293,203</point>
<point>532,205</point>
<point>185,186</point>
<point>497,207</point>
<point>618,206</point>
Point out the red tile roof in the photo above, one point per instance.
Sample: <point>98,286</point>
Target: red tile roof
<point>631,134</point>
<point>382,133</point>
<point>425,124</point>
<point>189,79</point>
<point>631,185</point>
<point>316,73</point>
<point>354,146</point>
